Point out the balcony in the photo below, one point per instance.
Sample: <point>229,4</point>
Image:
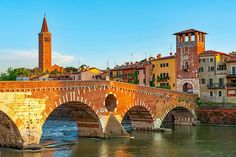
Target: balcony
<point>231,85</point>
<point>216,86</point>
<point>163,78</point>
<point>231,75</point>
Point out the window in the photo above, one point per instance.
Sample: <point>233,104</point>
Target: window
<point>167,64</point>
<point>211,60</point>
<point>144,71</point>
<point>211,94</point>
<point>201,69</point>
<point>203,81</point>
<point>221,82</point>
<point>211,82</point>
<point>193,38</point>
<point>210,69</point>
<point>153,76</point>
<point>144,81</point>
<point>203,60</point>
<point>220,93</point>
<point>160,65</point>
<point>233,70</point>
<point>153,66</point>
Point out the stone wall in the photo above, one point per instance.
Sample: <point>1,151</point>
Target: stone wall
<point>217,116</point>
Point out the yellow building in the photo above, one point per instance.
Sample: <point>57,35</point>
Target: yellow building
<point>164,72</point>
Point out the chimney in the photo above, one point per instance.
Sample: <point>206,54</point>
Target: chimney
<point>158,56</point>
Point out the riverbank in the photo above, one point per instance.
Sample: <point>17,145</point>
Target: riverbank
<point>217,114</point>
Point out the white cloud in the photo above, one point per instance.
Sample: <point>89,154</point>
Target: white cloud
<point>29,59</point>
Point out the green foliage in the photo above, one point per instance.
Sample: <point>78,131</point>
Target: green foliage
<point>55,71</point>
<point>11,74</point>
<point>83,67</point>
<point>198,101</point>
<point>70,69</point>
<point>151,83</point>
<point>135,77</point>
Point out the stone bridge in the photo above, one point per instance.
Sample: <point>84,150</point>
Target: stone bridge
<point>98,107</point>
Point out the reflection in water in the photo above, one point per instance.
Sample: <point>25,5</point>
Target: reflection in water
<point>61,139</point>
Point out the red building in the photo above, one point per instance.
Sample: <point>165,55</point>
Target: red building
<point>189,44</point>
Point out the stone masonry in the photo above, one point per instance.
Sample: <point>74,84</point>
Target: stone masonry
<point>25,106</point>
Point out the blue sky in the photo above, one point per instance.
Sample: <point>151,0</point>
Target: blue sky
<point>96,31</point>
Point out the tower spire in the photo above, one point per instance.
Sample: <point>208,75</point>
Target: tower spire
<point>44,25</point>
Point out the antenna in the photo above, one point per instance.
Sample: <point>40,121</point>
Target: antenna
<point>108,64</point>
<point>132,57</point>
<point>171,47</point>
<point>78,62</point>
<point>114,63</point>
<point>150,54</point>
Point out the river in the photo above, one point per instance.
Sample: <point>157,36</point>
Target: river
<point>60,139</point>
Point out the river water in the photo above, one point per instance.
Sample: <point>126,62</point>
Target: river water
<point>60,139</point>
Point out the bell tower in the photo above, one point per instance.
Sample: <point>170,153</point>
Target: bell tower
<point>45,49</point>
<point>189,44</point>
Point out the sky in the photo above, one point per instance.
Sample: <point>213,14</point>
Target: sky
<point>104,33</point>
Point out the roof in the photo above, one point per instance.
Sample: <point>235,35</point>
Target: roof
<point>212,52</point>
<point>232,59</point>
<point>188,31</point>
<point>44,25</point>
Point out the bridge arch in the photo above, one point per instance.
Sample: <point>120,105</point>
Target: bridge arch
<point>138,117</point>
<point>179,115</point>
<point>74,107</point>
<point>11,128</point>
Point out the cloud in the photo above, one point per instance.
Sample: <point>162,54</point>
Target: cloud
<point>29,59</point>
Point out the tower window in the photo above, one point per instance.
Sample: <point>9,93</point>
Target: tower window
<point>193,38</point>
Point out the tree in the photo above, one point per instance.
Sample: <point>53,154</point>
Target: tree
<point>55,71</point>
<point>70,69</point>
<point>83,67</point>
<point>11,74</point>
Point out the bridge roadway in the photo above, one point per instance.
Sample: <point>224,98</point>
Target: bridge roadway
<point>98,107</point>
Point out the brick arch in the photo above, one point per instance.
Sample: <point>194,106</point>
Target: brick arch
<point>171,108</point>
<point>138,103</point>
<point>15,127</point>
<point>66,98</point>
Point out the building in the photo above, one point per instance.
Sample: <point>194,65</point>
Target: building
<point>45,50</point>
<point>231,79</point>
<point>189,44</point>
<point>22,78</point>
<point>212,76</point>
<point>164,71</point>
<point>136,73</point>
<point>86,74</point>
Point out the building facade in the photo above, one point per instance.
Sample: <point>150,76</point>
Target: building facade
<point>189,44</point>
<point>164,72</point>
<point>231,79</point>
<point>136,73</point>
<point>212,76</point>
